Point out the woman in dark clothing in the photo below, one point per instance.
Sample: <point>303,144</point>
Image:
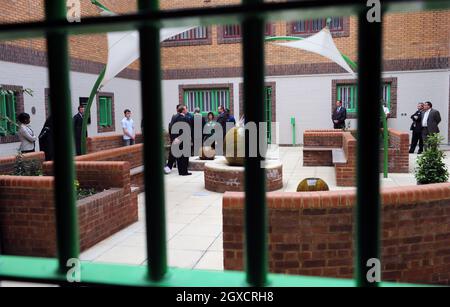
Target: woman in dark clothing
<point>46,139</point>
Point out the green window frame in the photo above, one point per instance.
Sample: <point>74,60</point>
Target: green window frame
<point>348,93</point>
<point>208,100</point>
<point>105,111</point>
<point>8,113</point>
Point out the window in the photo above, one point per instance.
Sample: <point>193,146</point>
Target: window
<point>348,93</point>
<point>232,33</point>
<point>7,113</point>
<point>208,100</point>
<point>194,34</point>
<point>105,110</point>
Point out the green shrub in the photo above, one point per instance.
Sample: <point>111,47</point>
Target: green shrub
<point>83,192</point>
<point>430,165</point>
<point>27,167</point>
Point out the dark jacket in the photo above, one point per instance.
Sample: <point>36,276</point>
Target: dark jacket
<point>222,119</point>
<point>46,139</point>
<point>340,116</point>
<point>176,119</point>
<point>434,118</point>
<point>416,125</point>
<point>77,125</point>
<point>170,125</point>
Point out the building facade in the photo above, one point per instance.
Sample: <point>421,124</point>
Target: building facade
<point>203,68</point>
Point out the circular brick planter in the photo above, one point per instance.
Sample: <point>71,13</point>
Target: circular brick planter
<point>195,164</point>
<point>220,177</point>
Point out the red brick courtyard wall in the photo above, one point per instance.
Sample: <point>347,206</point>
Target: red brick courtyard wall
<point>99,143</point>
<point>346,172</point>
<point>398,153</point>
<point>27,212</point>
<point>7,163</point>
<point>311,233</point>
<point>132,154</point>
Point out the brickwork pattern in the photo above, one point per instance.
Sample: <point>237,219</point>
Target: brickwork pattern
<point>27,212</point>
<point>7,163</point>
<point>312,233</point>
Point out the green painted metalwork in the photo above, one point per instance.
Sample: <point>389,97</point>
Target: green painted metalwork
<point>385,143</point>
<point>154,160</point>
<point>87,110</point>
<point>56,29</point>
<point>368,148</point>
<point>64,172</point>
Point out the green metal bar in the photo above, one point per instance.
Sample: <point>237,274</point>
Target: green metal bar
<point>64,171</point>
<point>155,215</point>
<point>211,15</point>
<point>368,146</point>
<point>87,110</point>
<point>33,269</point>
<point>256,247</point>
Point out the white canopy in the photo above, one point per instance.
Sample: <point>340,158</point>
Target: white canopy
<point>123,48</point>
<point>321,43</point>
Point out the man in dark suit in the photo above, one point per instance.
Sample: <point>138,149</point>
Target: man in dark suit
<point>416,128</point>
<point>182,161</point>
<point>171,160</point>
<point>77,127</point>
<point>430,120</point>
<point>339,116</point>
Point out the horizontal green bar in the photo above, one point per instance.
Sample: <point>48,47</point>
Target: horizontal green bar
<point>45,270</point>
<point>210,15</point>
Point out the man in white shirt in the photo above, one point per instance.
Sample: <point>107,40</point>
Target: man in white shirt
<point>129,134</point>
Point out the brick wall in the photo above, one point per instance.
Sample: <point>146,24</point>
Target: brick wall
<point>132,154</point>
<point>413,36</point>
<point>27,212</point>
<point>312,233</point>
<point>398,156</point>
<point>7,163</point>
<point>102,142</point>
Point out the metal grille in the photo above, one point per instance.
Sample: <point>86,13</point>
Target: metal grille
<point>56,29</point>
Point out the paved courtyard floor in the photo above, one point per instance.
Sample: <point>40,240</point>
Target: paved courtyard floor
<point>194,216</point>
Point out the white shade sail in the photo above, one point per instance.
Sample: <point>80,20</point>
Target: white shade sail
<point>123,49</point>
<point>321,43</point>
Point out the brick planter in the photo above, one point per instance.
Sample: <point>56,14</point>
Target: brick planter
<point>312,233</point>
<point>27,211</point>
<point>220,177</point>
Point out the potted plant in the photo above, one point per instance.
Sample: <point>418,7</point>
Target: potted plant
<point>430,165</point>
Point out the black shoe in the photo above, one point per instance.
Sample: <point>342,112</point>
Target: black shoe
<point>411,151</point>
<point>419,152</point>
<point>187,174</point>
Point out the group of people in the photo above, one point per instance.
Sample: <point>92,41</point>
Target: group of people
<point>183,115</point>
<point>28,139</point>
<point>425,122</point>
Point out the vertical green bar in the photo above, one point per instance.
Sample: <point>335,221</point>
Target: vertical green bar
<point>368,174</point>
<point>256,247</point>
<point>58,68</point>
<point>13,113</point>
<point>153,144</point>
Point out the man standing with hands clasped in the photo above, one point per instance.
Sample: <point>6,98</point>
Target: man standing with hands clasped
<point>339,116</point>
<point>430,120</point>
<point>129,134</point>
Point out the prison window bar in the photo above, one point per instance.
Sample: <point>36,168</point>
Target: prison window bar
<point>256,249</point>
